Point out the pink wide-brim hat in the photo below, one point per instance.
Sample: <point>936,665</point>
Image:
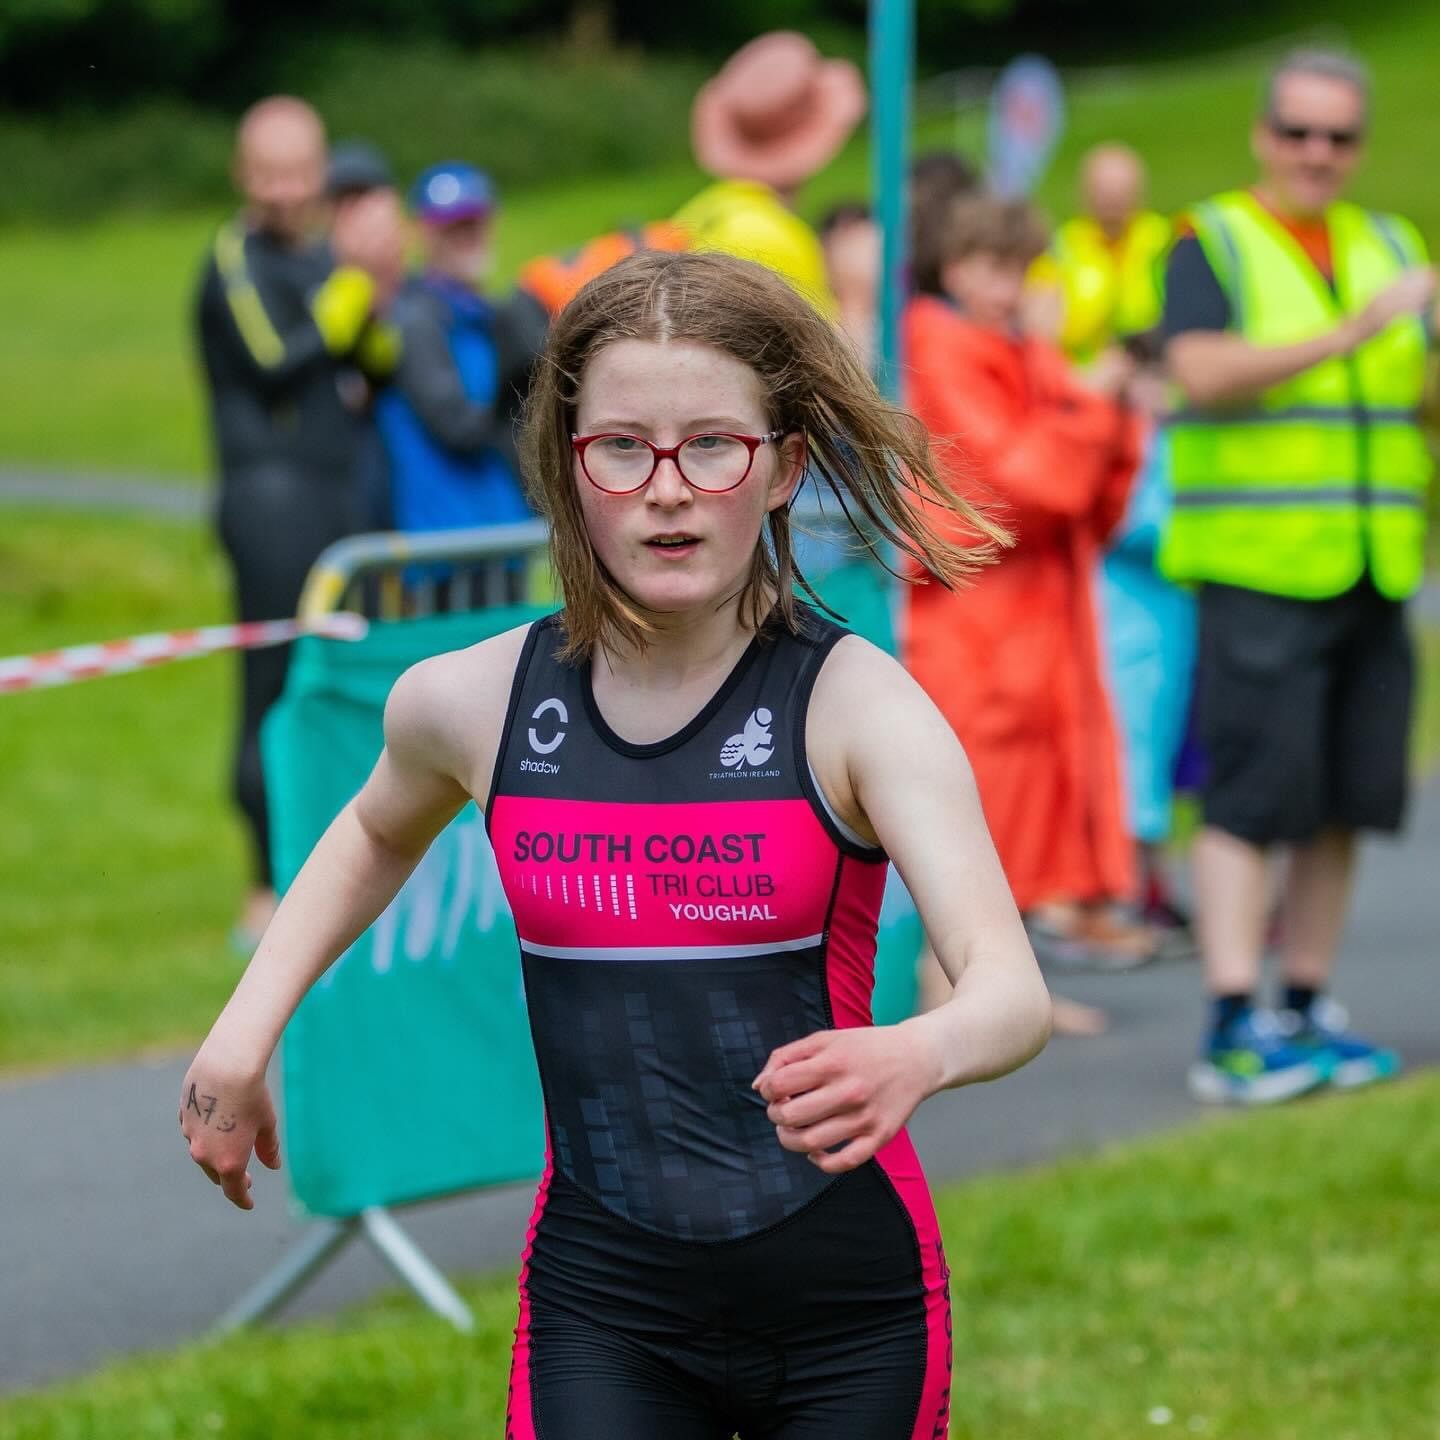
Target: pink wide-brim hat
<point>777,112</point>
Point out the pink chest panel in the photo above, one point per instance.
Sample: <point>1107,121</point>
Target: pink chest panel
<point>592,876</point>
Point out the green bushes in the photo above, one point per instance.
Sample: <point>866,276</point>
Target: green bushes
<point>528,115</point>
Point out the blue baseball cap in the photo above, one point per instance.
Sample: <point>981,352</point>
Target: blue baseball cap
<point>452,191</point>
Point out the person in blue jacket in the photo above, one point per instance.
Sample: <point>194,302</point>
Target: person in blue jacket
<point>448,420</point>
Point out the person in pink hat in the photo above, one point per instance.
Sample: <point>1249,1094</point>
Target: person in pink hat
<point>775,115</point>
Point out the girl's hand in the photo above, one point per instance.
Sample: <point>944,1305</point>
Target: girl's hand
<point>849,1088</point>
<point>224,1117</point>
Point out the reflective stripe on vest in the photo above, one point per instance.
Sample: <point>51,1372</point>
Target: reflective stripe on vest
<point>1340,494</point>
<point>1334,414</point>
<point>1324,477</point>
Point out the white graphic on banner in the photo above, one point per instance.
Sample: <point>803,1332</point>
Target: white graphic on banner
<point>456,885</point>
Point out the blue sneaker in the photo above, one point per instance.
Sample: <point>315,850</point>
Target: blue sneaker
<point>1323,1030</point>
<point>1253,1062</point>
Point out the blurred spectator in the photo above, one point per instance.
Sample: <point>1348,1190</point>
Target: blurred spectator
<point>1106,269</point>
<point>1108,261</point>
<point>775,115</point>
<point>1148,627</point>
<point>1297,331</point>
<point>850,240</point>
<point>552,281</point>
<point>358,170</point>
<point>280,320</point>
<point>938,178</point>
<point>1014,663</point>
<point>449,418</point>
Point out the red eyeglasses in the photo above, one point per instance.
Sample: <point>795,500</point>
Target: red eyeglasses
<point>713,462</point>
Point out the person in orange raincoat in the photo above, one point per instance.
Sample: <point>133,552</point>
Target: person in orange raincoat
<point>1014,663</point>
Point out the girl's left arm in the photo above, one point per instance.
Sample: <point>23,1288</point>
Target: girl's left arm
<point>891,766</point>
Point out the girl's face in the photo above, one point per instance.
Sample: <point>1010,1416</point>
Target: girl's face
<point>671,548</point>
<point>987,287</point>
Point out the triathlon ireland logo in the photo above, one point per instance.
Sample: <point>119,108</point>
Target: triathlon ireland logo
<point>752,746</point>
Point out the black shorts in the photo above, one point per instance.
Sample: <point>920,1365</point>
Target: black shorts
<point>1303,711</point>
<point>832,1325</point>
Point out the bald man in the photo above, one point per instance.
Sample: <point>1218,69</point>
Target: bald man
<point>288,332</point>
<point>1112,186</point>
<point>1108,261</point>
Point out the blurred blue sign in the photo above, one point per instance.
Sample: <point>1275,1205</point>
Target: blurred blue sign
<point>1027,118</point>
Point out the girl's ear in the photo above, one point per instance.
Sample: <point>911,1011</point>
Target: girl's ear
<point>793,451</point>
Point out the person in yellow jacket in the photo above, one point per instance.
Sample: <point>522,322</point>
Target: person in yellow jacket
<point>1107,263</point>
<point>775,115</point>
<point>1297,328</point>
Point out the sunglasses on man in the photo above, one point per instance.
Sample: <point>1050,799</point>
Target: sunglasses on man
<point>1301,134</point>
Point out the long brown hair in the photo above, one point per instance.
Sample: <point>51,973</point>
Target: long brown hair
<point>873,457</point>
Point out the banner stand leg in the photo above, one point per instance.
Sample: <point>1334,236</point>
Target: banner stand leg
<point>325,1239</point>
<point>412,1265</point>
<point>314,1250</point>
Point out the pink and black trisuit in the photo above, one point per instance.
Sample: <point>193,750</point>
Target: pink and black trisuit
<point>683,909</point>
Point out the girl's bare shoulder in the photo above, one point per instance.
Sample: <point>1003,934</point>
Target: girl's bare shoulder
<point>455,702</point>
<point>856,674</point>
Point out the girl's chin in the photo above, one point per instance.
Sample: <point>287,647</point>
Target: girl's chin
<point>676,594</point>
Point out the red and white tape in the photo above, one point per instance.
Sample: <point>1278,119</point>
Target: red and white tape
<point>140,652</point>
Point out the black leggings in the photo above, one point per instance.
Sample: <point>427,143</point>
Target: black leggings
<point>833,1325</point>
<point>273,523</point>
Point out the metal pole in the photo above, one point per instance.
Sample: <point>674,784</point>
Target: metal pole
<point>892,49</point>
<point>315,1248</point>
<point>413,1266</point>
<point>321,1243</point>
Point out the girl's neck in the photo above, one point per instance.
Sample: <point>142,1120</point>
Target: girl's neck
<point>681,648</point>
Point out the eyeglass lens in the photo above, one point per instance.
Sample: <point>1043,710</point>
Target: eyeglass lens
<point>708,462</point>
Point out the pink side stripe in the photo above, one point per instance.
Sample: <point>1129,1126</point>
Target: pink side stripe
<point>850,978</point>
<point>900,1163</point>
<point>520,1403</point>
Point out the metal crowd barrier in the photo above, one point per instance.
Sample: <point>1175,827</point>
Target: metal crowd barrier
<point>391,575</point>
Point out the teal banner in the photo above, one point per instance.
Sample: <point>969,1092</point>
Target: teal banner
<point>408,1072</point>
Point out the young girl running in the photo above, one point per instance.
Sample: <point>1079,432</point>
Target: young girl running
<point>693,782</point>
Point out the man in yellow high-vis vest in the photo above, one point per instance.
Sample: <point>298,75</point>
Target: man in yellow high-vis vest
<point>1297,329</point>
<point>1107,263</point>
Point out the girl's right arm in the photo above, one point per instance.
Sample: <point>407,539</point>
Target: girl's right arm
<point>442,728</point>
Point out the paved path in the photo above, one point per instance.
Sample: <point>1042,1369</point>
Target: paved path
<point>110,1241</point>
<point>85,490</point>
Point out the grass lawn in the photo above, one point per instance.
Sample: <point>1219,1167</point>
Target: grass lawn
<point>95,356</point>
<point>122,865</point>
<point>1263,1277</point>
